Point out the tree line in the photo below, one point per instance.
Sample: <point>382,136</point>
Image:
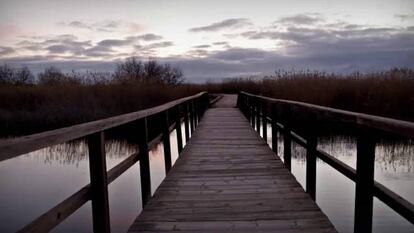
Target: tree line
<point>131,70</point>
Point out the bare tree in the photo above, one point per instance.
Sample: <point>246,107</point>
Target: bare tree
<point>132,70</point>
<point>129,70</point>
<point>53,77</point>
<point>23,76</point>
<point>6,74</point>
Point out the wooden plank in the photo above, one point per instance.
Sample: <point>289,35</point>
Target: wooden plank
<point>227,179</point>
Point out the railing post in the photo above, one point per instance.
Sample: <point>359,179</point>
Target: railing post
<point>252,110</point>
<point>144,161</point>
<point>364,182</point>
<point>206,103</point>
<point>274,128</point>
<point>195,112</point>
<point>264,119</point>
<point>311,144</point>
<point>287,138</point>
<point>191,107</point>
<point>166,140</point>
<point>99,183</point>
<point>186,122</point>
<point>247,106</point>
<point>178,129</point>
<point>258,110</point>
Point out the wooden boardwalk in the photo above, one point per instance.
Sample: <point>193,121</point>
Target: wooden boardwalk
<point>228,180</point>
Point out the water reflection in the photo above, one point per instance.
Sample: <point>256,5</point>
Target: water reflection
<point>336,194</point>
<point>33,183</point>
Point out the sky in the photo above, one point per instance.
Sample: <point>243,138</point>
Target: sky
<point>209,39</point>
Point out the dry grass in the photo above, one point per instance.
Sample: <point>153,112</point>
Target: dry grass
<point>30,109</point>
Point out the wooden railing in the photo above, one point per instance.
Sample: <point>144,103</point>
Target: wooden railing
<point>170,116</point>
<point>284,115</point>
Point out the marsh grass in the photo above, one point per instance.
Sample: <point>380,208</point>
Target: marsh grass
<point>35,108</point>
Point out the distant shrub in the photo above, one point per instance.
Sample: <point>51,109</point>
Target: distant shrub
<point>15,76</point>
<point>52,76</point>
<point>132,70</point>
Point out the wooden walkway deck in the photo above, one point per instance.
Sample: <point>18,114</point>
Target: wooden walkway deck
<point>228,180</point>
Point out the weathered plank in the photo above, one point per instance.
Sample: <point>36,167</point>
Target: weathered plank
<point>227,179</point>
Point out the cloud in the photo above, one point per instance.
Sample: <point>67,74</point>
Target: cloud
<point>69,44</point>
<point>314,41</point>
<point>148,37</point>
<point>225,24</point>
<point>65,43</point>
<point>113,43</point>
<point>404,17</point>
<point>221,43</point>
<point>236,62</point>
<point>329,46</point>
<point>101,26</point>
<point>203,46</point>
<point>160,45</point>
<point>6,50</point>
<point>78,24</point>
<point>300,19</point>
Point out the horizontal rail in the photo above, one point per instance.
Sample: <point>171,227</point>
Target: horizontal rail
<point>398,127</point>
<point>255,107</point>
<point>170,115</point>
<point>14,147</point>
<point>390,198</point>
<point>60,212</point>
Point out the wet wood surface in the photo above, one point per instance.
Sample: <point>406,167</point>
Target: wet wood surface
<point>227,179</point>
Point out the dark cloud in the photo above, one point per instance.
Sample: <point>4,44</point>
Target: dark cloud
<point>221,43</point>
<point>332,47</point>
<point>78,24</point>
<point>70,44</point>
<point>225,24</point>
<point>102,26</point>
<point>146,37</point>
<point>65,43</point>
<point>347,39</point>
<point>6,50</point>
<point>300,19</point>
<point>58,49</point>
<point>160,45</point>
<point>202,46</point>
<point>404,17</point>
<point>197,53</point>
<point>113,43</point>
<point>236,62</point>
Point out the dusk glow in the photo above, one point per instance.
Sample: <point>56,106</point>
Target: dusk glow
<point>215,39</point>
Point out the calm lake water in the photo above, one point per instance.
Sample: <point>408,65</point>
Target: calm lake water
<point>32,184</point>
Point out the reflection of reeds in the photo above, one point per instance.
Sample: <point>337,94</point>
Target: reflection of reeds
<point>395,156</point>
<point>73,152</point>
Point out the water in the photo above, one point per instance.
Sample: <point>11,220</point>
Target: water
<point>335,193</point>
<point>32,184</point>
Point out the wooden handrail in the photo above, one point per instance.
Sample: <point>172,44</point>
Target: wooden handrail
<point>254,107</point>
<point>398,127</point>
<point>14,147</point>
<point>188,109</point>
